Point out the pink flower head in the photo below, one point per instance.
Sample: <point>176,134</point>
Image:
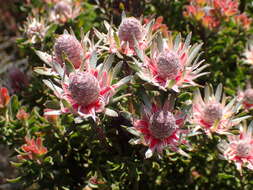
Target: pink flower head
<point>130,35</point>
<point>211,114</point>
<point>239,148</point>
<point>86,93</point>
<point>170,64</point>
<point>129,30</point>
<point>35,28</point>
<point>66,49</point>
<point>68,44</point>
<point>159,127</point>
<point>33,149</point>
<point>65,10</point>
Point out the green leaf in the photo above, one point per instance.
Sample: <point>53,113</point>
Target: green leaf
<point>52,104</point>
<point>93,59</point>
<point>69,66</point>
<point>225,176</point>
<point>13,106</point>
<point>57,90</point>
<point>65,188</point>
<point>132,130</point>
<point>43,71</point>
<point>16,164</point>
<point>49,159</point>
<point>117,40</point>
<point>111,113</point>
<point>160,42</point>
<point>15,180</point>
<point>46,58</point>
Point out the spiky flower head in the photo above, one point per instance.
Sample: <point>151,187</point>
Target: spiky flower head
<point>159,127</point>
<point>63,8</point>
<point>211,113</point>
<point>84,87</point>
<point>67,44</point>
<point>67,49</point>
<point>87,93</point>
<point>169,65</point>
<point>129,29</point>
<point>239,148</point>
<point>35,28</point>
<point>122,40</point>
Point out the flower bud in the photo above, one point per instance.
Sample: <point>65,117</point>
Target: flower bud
<point>168,65</point>
<point>162,124</point>
<point>71,47</point>
<point>84,88</point>
<point>63,8</point>
<point>130,28</point>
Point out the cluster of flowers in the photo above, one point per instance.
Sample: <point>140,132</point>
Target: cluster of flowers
<point>85,88</point>
<point>57,11</point>
<point>211,13</point>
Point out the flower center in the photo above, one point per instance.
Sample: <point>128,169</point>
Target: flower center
<point>168,64</point>
<point>84,88</point>
<point>162,124</point>
<point>243,149</point>
<point>248,96</point>
<point>212,113</point>
<point>130,28</point>
<point>70,46</point>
